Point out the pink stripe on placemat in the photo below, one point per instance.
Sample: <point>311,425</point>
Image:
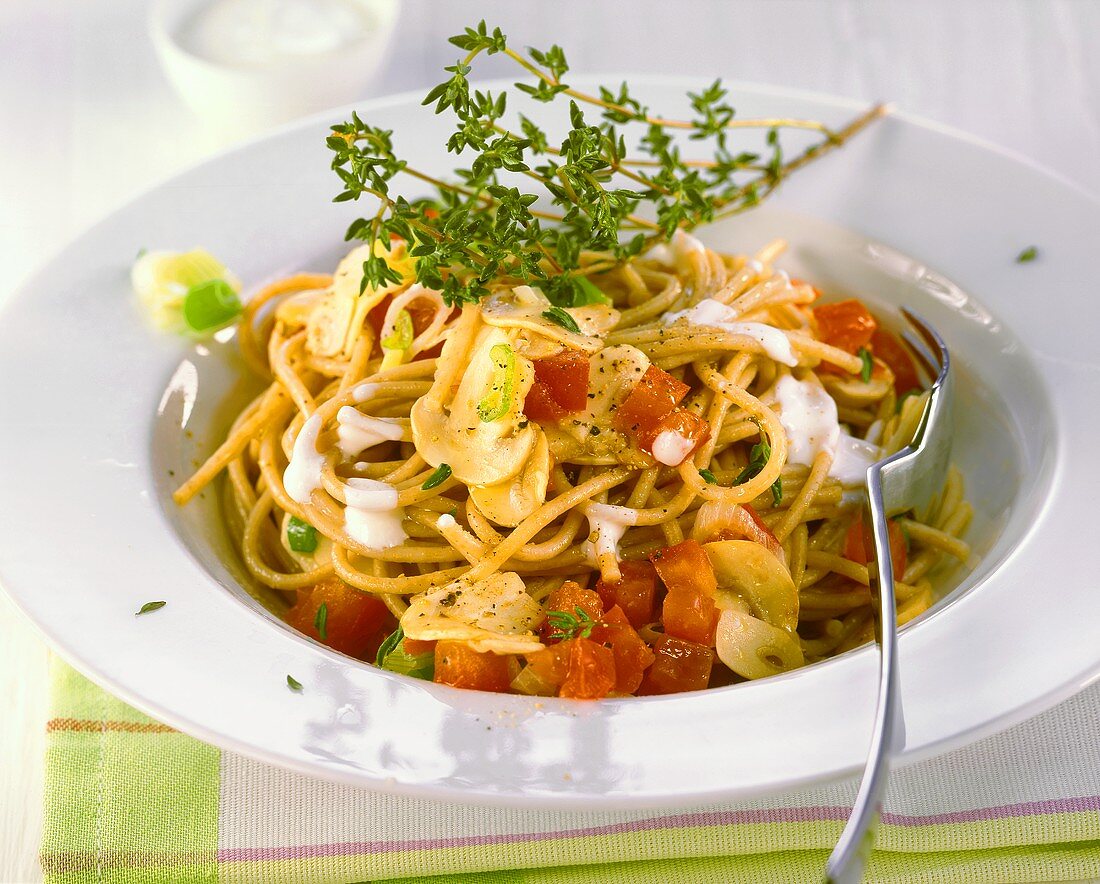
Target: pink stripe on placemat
<point>701,819</point>
<point>1082,804</point>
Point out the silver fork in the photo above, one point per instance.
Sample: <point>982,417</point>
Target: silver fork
<point>900,482</point>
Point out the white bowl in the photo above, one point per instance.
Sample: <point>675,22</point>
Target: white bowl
<point>102,417</point>
<point>241,98</point>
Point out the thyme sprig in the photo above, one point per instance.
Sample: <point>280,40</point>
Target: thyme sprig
<point>525,208</point>
<point>565,625</point>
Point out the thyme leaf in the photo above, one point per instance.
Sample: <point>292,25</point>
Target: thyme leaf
<point>568,625</point>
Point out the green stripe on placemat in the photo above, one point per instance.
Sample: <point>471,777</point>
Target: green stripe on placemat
<point>126,799</point>
<point>130,800</point>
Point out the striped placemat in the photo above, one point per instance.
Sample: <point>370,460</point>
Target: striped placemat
<point>129,800</point>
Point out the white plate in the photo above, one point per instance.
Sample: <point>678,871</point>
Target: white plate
<point>89,532</point>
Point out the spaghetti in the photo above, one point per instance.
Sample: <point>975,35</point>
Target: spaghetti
<point>649,493</point>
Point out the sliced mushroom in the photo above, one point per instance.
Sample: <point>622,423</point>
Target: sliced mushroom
<point>294,310</point>
<point>448,429</point>
<point>495,614</point>
<point>746,571</point>
<point>523,307</point>
<point>717,517</point>
<point>753,648</point>
<point>429,337</point>
<point>613,373</point>
<point>509,503</point>
<point>334,326</point>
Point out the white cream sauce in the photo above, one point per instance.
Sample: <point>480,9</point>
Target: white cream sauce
<point>670,448</point>
<point>710,313</point>
<point>372,516</point>
<point>809,417</point>
<point>370,494</point>
<point>609,523</point>
<point>358,431</point>
<point>374,530</point>
<point>853,457</point>
<point>303,474</point>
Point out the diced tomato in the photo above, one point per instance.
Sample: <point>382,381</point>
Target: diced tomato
<point>421,312</point>
<point>590,673</point>
<point>653,397</point>
<point>580,668</point>
<point>856,545</point>
<point>560,387</point>
<point>685,566</point>
<point>632,655</point>
<point>635,592</point>
<point>689,611</point>
<point>690,615</point>
<point>848,325</point>
<point>890,350</point>
<point>414,648</point>
<point>539,406</point>
<point>551,664</point>
<point>356,623</point>
<point>568,597</point>
<point>678,665</point>
<point>751,527</point>
<point>684,423</point>
<point>460,666</point>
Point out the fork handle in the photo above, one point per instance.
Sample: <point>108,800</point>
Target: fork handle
<point>852,850</point>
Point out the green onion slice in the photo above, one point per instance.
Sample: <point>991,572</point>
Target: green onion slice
<point>559,317</point>
<point>402,336</point>
<point>393,657</point>
<point>868,364</point>
<point>210,305</point>
<point>442,474</point>
<point>293,683</point>
<point>301,536</point>
<point>320,621</point>
<point>497,401</point>
<point>708,477</point>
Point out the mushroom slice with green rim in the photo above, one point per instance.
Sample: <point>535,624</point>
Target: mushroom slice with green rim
<point>451,430</point>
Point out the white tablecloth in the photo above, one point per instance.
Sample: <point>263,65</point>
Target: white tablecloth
<point>87,120</point>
